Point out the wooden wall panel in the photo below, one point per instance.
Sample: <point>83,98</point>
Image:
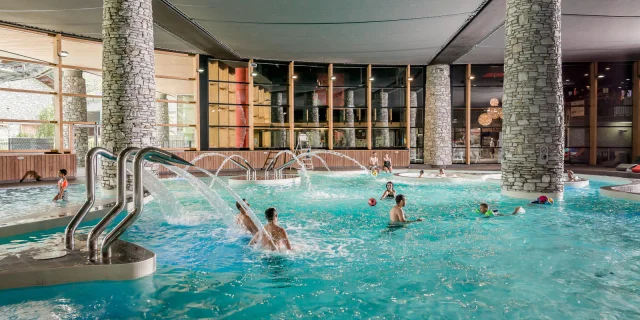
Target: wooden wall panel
<point>14,166</point>
<point>399,158</point>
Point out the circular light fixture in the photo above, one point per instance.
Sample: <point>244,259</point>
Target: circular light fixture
<point>484,119</point>
<point>601,76</point>
<point>253,74</point>
<point>472,77</point>
<point>567,80</point>
<point>628,79</point>
<point>494,113</point>
<point>410,79</point>
<point>294,77</point>
<point>607,68</point>
<point>333,77</point>
<point>201,70</point>
<point>63,54</point>
<point>494,102</point>
<point>371,78</point>
<point>586,74</point>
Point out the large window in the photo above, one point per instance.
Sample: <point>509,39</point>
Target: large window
<point>228,104</point>
<point>271,105</point>
<point>349,107</point>
<point>614,111</point>
<point>388,98</point>
<point>458,116</point>
<point>576,91</point>
<point>310,108</point>
<point>416,119</point>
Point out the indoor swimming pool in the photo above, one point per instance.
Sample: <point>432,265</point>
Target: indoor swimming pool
<point>576,259</point>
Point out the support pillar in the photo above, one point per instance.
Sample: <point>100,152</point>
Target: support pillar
<point>437,116</point>
<point>74,109</point>
<point>381,105</point>
<point>413,134</point>
<point>277,99</point>
<point>128,83</point>
<point>350,104</point>
<point>533,124</point>
<point>312,99</point>
<point>162,114</point>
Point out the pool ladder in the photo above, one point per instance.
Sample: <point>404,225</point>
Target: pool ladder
<point>149,154</point>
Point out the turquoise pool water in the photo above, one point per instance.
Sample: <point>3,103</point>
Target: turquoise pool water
<point>577,259</point>
<point>20,202</point>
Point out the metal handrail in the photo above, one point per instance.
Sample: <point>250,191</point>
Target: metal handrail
<point>278,171</point>
<point>252,172</point>
<point>121,188</point>
<point>149,154</point>
<point>91,157</point>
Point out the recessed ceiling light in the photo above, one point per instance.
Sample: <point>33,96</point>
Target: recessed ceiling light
<point>628,79</point>
<point>472,77</point>
<point>294,77</point>
<point>601,76</point>
<point>619,87</point>
<point>410,79</point>
<point>63,54</point>
<point>586,74</point>
<point>333,77</point>
<point>567,80</point>
<point>201,70</point>
<point>607,68</point>
<point>371,78</point>
<point>253,74</point>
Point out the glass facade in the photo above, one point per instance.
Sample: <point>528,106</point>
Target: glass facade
<point>350,107</point>
<point>271,105</point>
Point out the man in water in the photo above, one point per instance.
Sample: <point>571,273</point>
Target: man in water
<point>244,220</point>
<point>484,209</point>
<point>278,236</point>
<point>396,214</point>
<point>373,161</point>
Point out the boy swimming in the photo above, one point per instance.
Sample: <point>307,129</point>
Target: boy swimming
<point>484,210</point>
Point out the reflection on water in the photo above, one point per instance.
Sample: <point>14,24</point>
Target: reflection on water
<point>577,259</point>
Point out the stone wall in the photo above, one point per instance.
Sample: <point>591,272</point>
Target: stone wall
<point>312,99</point>
<point>277,99</point>
<point>437,116</point>
<point>350,104</point>
<point>413,103</point>
<point>380,102</point>
<point>75,109</point>
<point>128,84</point>
<point>533,124</point>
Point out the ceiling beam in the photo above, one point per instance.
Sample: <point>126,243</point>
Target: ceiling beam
<point>489,18</point>
<point>172,20</point>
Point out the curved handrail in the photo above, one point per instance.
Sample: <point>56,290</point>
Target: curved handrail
<point>150,154</point>
<point>91,188</point>
<point>121,188</point>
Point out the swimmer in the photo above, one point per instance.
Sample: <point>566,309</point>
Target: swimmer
<point>390,193</point>
<point>421,174</point>
<point>543,200</point>
<point>373,161</point>
<point>396,214</point>
<point>484,209</point>
<point>31,174</point>
<point>278,234</point>
<point>441,173</point>
<point>243,219</point>
<point>571,176</point>
<point>62,186</point>
<point>386,163</point>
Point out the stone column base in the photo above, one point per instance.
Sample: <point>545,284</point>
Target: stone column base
<point>532,195</point>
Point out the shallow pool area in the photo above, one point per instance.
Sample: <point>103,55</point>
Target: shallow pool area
<point>576,259</point>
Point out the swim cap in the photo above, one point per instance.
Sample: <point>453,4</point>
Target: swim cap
<point>372,202</point>
<point>543,199</point>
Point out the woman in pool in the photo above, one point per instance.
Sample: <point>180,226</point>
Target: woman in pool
<point>421,174</point>
<point>390,193</point>
<point>571,176</point>
<point>386,163</point>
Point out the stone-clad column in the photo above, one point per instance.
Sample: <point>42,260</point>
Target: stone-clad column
<point>533,124</point>
<point>350,104</point>
<point>277,99</point>
<point>75,109</point>
<point>128,84</point>
<point>413,135</point>
<point>381,104</point>
<point>162,112</point>
<point>312,99</point>
<point>437,116</point>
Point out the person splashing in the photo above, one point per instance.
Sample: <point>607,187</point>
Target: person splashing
<point>278,238</point>
<point>389,193</point>
<point>243,219</point>
<point>396,215</point>
<point>484,210</point>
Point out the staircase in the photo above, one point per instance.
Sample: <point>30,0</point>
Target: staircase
<point>270,156</point>
<point>303,147</point>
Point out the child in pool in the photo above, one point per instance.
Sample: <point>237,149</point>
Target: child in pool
<point>62,186</point>
<point>484,210</point>
<point>390,193</point>
<point>543,200</point>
